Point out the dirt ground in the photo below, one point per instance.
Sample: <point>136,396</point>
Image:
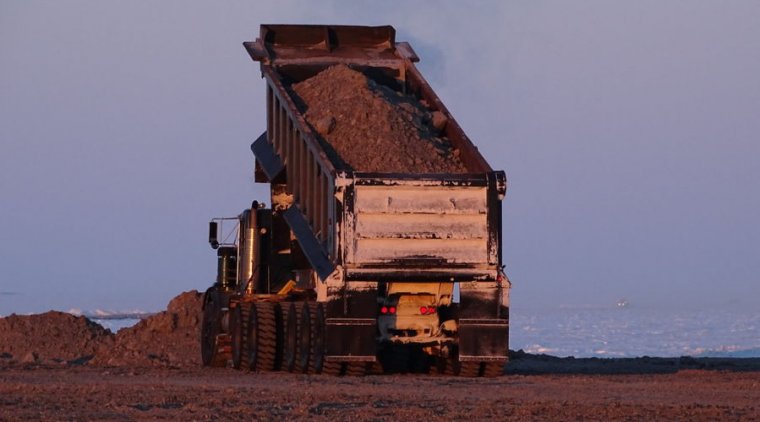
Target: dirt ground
<point>534,388</point>
<point>55,366</point>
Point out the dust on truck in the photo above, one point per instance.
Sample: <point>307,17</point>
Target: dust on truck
<point>349,271</point>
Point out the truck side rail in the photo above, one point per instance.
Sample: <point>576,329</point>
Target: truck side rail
<point>310,175</point>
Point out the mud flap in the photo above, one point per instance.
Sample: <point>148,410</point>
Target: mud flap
<point>350,339</point>
<point>484,321</point>
<point>483,340</point>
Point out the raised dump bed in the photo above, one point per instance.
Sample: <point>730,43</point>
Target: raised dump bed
<point>396,223</point>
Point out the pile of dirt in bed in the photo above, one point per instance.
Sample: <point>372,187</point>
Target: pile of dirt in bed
<point>52,337</point>
<point>169,338</point>
<point>368,127</point>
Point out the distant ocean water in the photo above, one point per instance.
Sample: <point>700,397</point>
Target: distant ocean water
<point>116,324</point>
<point>617,331</point>
<point>635,331</point>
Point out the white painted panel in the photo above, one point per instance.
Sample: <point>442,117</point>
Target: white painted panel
<point>377,251</point>
<point>418,223</point>
<point>421,199</point>
<point>421,226</point>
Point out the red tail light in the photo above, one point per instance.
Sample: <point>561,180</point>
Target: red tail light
<point>430,310</point>
<point>392,309</point>
<point>423,310</point>
<point>384,310</point>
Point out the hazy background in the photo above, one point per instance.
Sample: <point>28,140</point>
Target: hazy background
<point>628,131</point>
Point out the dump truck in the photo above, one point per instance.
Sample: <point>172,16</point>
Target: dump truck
<point>356,269</point>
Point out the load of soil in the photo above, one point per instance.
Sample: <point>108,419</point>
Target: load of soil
<point>52,337</point>
<point>169,338</point>
<point>365,126</point>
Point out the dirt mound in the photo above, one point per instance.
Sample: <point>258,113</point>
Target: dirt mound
<point>169,338</point>
<point>52,337</point>
<point>369,127</point>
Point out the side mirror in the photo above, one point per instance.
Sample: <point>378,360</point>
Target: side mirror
<point>212,230</point>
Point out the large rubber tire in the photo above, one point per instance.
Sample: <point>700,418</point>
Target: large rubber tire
<point>236,335</point>
<point>419,361</point>
<point>328,368</point>
<point>356,369</point>
<point>374,368</point>
<point>398,358</point>
<point>333,368</point>
<point>250,337</point>
<point>310,337</point>
<point>444,365</point>
<point>279,325</point>
<point>318,338</point>
<point>493,369</point>
<point>267,314</point>
<point>211,327</point>
<point>261,338</point>
<point>290,344</point>
<point>303,349</point>
<point>468,369</point>
<point>453,367</point>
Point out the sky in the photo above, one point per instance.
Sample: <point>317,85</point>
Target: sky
<point>629,132</point>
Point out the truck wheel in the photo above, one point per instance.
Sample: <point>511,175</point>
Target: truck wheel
<point>452,366</point>
<point>493,369</point>
<point>317,338</point>
<point>304,339</point>
<point>265,342</point>
<point>236,330</point>
<point>211,327</point>
<point>250,337</point>
<point>467,369</point>
<point>398,358</point>
<point>334,368</point>
<point>419,361</point>
<point>290,346</point>
<point>320,347</point>
<point>356,369</point>
<point>279,329</point>
<point>374,368</point>
<point>443,365</point>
